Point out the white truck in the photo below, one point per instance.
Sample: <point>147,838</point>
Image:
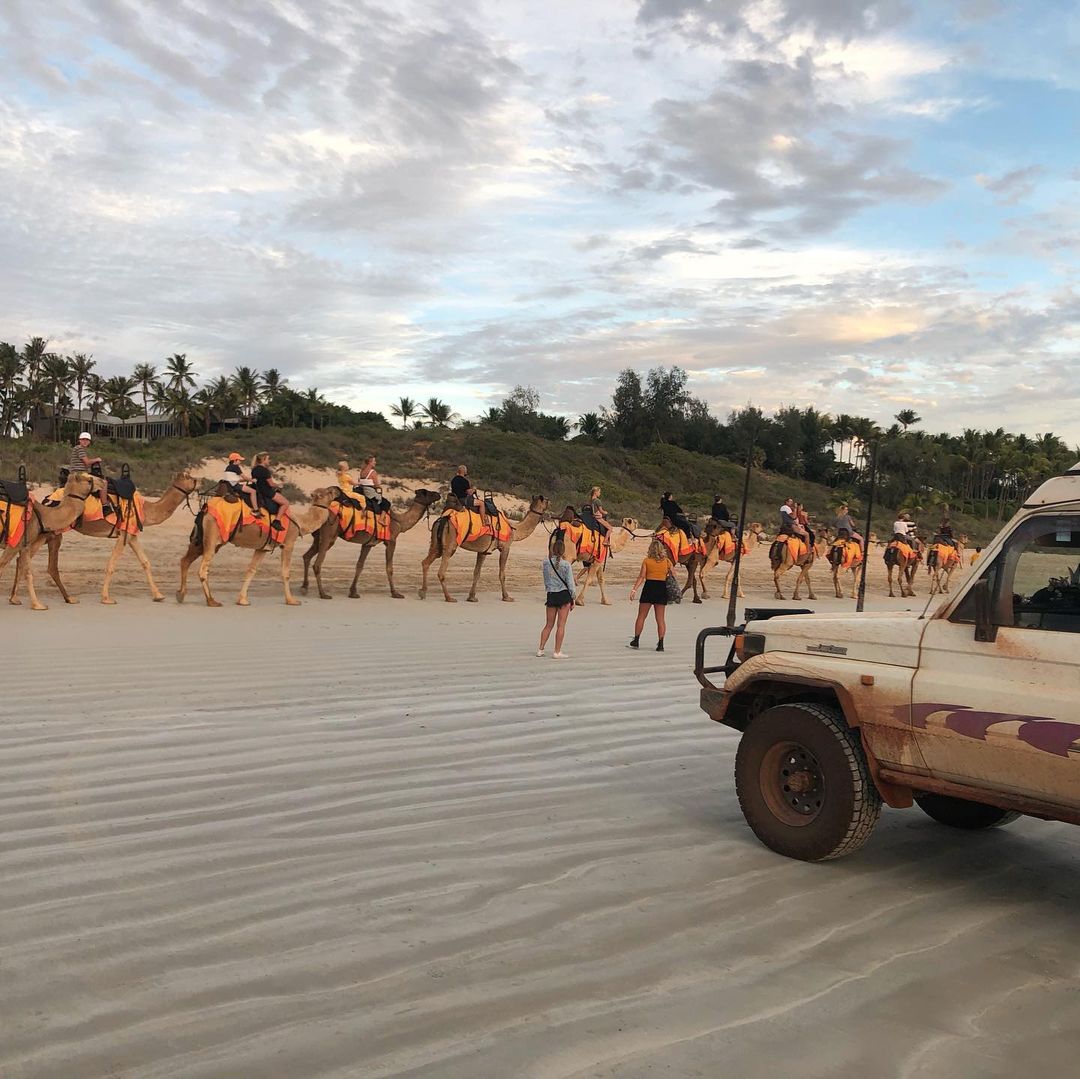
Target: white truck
<point>972,711</point>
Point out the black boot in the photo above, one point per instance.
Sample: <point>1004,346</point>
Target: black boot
<point>660,645</point>
<point>634,643</point>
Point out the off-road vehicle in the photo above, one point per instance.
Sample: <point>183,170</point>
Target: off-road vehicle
<point>972,711</point>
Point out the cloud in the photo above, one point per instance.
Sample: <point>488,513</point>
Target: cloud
<point>1014,186</point>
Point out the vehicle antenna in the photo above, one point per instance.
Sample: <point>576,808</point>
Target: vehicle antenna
<point>861,601</point>
<point>737,561</point>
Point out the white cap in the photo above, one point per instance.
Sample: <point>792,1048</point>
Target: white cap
<point>86,435</point>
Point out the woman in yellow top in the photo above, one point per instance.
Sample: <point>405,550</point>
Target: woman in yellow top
<point>344,479</point>
<point>655,567</point>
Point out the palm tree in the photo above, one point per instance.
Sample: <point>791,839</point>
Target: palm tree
<point>177,403</point>
<point>907,417</point>
<point>314,404</point>
<point>119,391</point>
<point>10,386</point>
<point>438,412</point>
<point>405,409</point>
<point>95,390</point>
<point>81,367</point>
<point>224,398</point>
<point>180,375</point>
<point>590,425</point>
<point>249,390</point>
<point>56,374</point>
<point>273,383</point>
<point>145,377</point>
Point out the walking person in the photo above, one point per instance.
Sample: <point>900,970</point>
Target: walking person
<point>559,583</point>
<point>652,580</point>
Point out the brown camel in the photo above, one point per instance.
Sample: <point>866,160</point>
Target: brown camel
<point>693,560</point>
<point>712,536</point>
<point>444,543</point>
<point>324,539</point>
<point>842,558</point>
<point>154,513</point>
<point>251,538</point>
<point>781,561</point>
<point>942,561</point>
<point>897,558</point>
<point>43,521</point>
<point>593,570</point>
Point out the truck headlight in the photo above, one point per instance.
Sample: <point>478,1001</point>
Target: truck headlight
<point>749,644</point>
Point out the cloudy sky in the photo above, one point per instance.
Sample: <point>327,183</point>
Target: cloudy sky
<point>864,205</point>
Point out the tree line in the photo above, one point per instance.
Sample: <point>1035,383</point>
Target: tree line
<point>984,472</point>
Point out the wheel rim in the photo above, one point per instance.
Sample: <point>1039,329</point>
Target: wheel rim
<point>793,784</point>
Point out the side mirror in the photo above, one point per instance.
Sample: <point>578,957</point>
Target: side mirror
<point>985,630</point>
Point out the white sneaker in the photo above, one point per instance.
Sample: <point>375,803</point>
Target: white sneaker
<point>539,653</point>
<point>559,655</point>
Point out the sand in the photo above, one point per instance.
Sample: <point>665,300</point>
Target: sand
<point>378,837</point>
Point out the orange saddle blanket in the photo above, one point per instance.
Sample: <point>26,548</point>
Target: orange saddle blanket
<point>469,525</point>
<point>13,523</point>
<point>353,519</point>
<point>591,546</point>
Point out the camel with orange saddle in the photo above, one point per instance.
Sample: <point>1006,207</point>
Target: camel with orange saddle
<point>131,516</point>
<point>226,518</point>
<point>902,556</point>
<point>792,552</point>
<point>942,561</point>
<point>720,547</point>
<point>845,555</point>
<point>592,549</point>
<point>36,523</point>
<point>361,526</point>
<point>483,538</point>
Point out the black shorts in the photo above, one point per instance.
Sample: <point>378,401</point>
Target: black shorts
<point>559,599</point>
<point>654,592</point>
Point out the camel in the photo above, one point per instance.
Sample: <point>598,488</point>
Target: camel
<point>713,535</point>
<point>897,559</point>
<point>693,560</point>
<point>781,561</point>
<point>942,561</point>
<point>154,513</point>
<point>251,538</point>
<point>838,555</point>
<point>43,521</point>
<point>330,532</point>
<point>444,543</point>
<point>593,570</point>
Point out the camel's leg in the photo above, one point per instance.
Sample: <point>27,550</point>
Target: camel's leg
<point>855,581</point>
<point>249,575</point>
<point>110,568</point>
<point>286,572</point>
<point>890,569</point>
<point>323,546</point>
<point>581,583</point>
<point>804,575</point>
<point>190,555</point>
<point>365,550</point>
<point>54,566</point>
<point>604,601</point>
<point>472,597</point>
<point>136,549</point>
<point>504,557</point>
<point>441,573</point>
<point>778,573</point>
<point>425,565</point>
<point>391,546</point>
<point>204,576</point>
<point>5,557</point>
<point>316,540</point>
<point>692,568</point>
<point>24,569</point>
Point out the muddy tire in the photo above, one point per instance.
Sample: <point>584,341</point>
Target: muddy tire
<point>960,813</point>
<point>803,783</point>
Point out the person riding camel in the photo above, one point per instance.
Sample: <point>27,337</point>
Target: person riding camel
<point>845,521</point>
<point>787,517</point>
<point>802,524</point>
<point>235,465</point>
<point>721,514</point>
<point>266,491</point>
<point>671,509</point>
<point>945,532</point>
<point>345,479</point>
<point>369,483</point>
<point>596,508</point>
<point>80,461</point>
<point>902,528</point>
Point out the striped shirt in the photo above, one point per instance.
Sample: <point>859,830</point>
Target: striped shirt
<point>77,460</point>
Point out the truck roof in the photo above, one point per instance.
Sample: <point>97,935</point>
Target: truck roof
<point>1060,489</point>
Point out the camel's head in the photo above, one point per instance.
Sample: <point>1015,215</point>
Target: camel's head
<point>83,484</point>
<point>568,514</point>
<point>630,524</point>
<point>427,498</point>
<point>323,496</point>
<point>538,504</point>
<point>185,482</point>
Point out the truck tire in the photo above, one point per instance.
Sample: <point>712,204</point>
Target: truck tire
<point>960,813</point>
<point>803,783</point>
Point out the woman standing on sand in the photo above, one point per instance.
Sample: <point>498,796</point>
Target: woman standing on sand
<point>655,567</point>
<point>559,583</point>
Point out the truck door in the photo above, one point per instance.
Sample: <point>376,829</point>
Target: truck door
<point>1005,713</point>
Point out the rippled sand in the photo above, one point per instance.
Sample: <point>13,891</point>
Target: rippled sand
<point>381,838</point>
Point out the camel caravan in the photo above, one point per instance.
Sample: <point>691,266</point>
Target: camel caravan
<point>251,512</point>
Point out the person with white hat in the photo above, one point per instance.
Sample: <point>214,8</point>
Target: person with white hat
<point>79,460</point>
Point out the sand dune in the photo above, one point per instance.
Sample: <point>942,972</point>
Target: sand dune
<point>380,838</point>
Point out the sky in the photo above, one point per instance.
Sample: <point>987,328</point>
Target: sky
<point>860,205</point>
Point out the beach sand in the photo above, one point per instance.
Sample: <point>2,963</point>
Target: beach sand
<point>378,837</point>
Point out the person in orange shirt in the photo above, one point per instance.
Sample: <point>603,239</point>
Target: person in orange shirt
<point>655,567</point>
